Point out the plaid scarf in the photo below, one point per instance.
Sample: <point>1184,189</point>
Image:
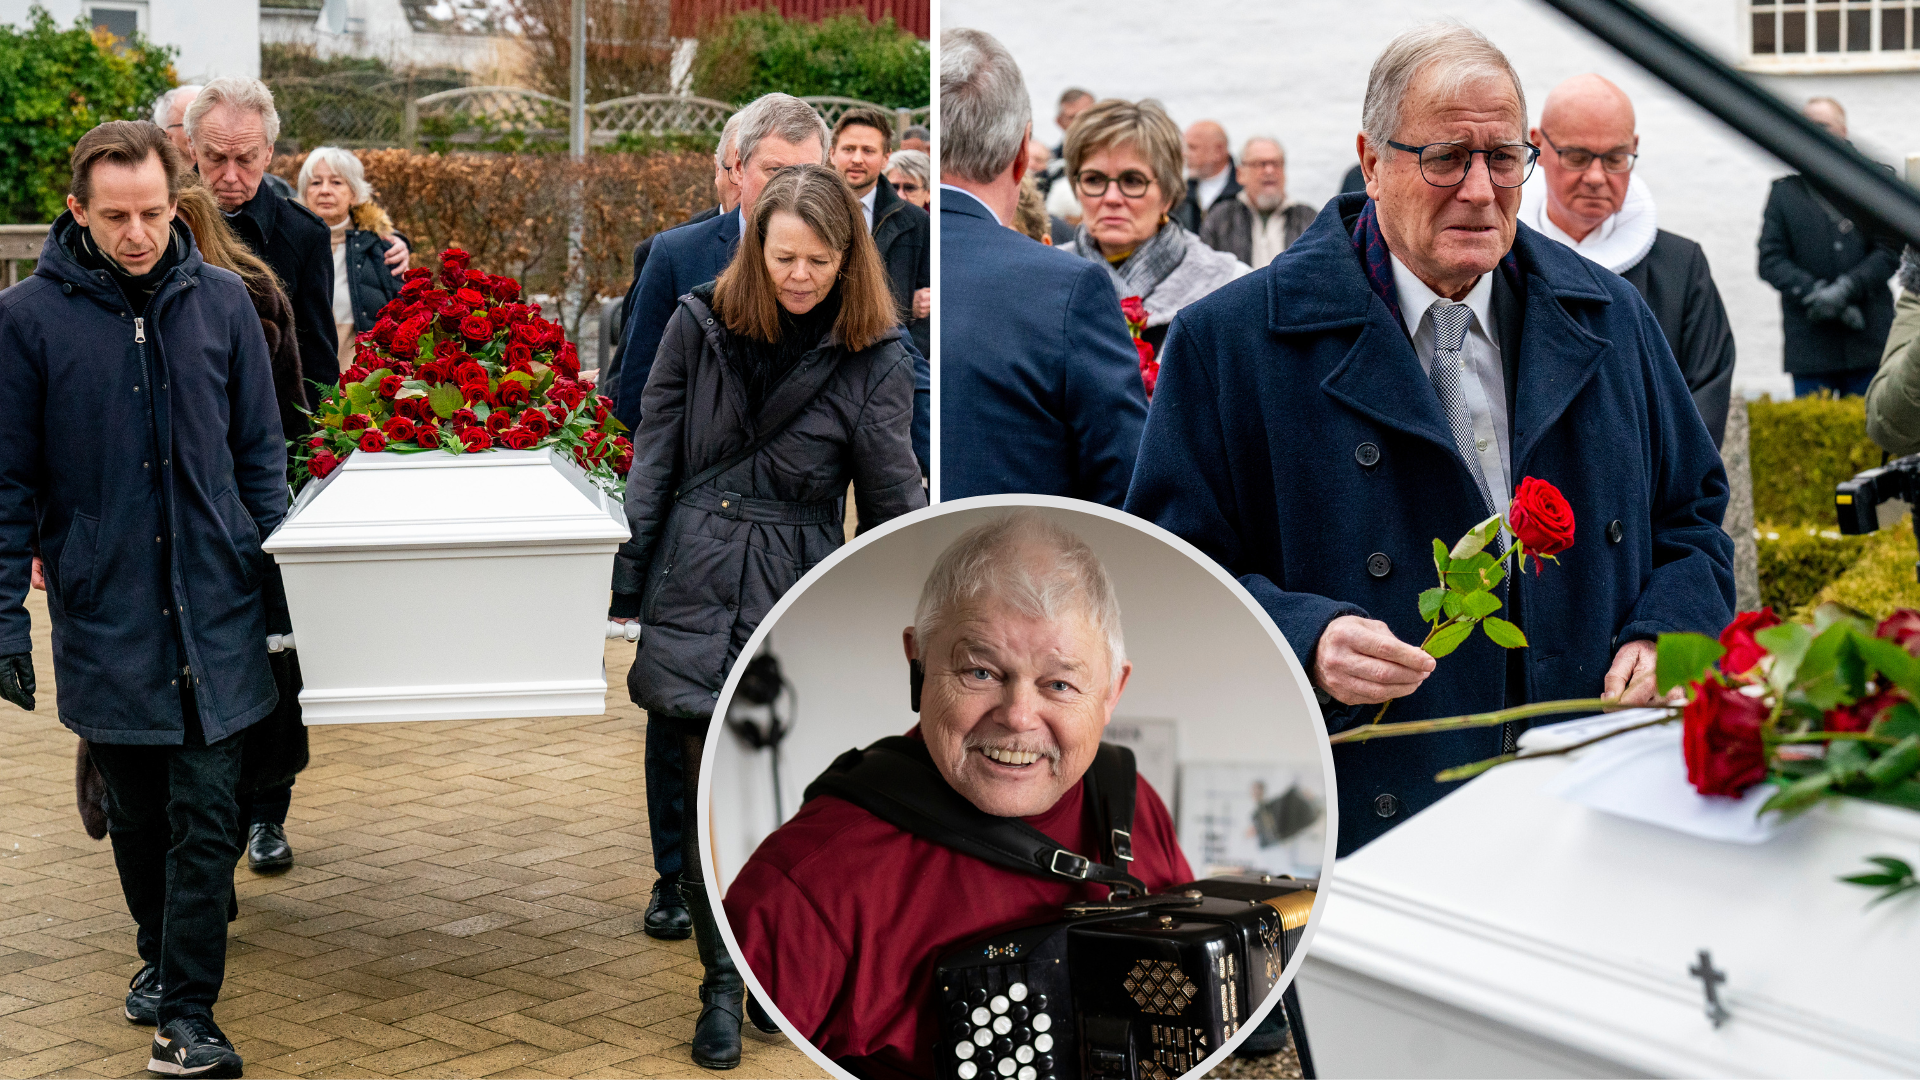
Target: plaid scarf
<point>1377,262</point>
<point>1149,264</point>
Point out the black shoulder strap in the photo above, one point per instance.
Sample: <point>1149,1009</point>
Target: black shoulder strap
<point>895,780</point>
<point>768,432</point>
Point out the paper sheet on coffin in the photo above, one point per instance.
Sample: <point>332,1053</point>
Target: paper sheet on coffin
<point>1508,932</point>
<point>442,587</point>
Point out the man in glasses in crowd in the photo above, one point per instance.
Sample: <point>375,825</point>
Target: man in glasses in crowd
<point>1388,380</point>
<point>1588,198</point>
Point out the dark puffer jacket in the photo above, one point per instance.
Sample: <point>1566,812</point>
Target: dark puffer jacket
<point>370,281</point>
<point>904,234</point>
<point>712,564</point>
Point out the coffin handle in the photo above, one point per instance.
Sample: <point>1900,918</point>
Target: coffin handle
<point>279,642</point>
<point>627,630</point>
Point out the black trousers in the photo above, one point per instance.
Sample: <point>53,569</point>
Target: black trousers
<point>176,831</point>
<point>666,798</point>
<point>268,807</point>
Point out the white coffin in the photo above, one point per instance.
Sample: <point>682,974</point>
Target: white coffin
<point>441,587</point>
<point>1504,932</point>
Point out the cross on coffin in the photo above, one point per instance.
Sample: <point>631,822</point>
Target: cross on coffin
<point>1711,979</point>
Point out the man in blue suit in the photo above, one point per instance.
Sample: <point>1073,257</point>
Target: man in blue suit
<point>1388,380</point>
<point>1039,379</point>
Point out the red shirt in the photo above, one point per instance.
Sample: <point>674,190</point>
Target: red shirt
<point>842,917</point>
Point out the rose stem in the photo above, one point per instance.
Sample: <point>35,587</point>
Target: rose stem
<point>1455,723</point>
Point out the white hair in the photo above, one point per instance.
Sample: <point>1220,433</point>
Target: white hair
<point>728,136</point>
<point>344,165</point>
<point>1247,147</point>
<point>912,162</point>
<point>1037,567</point>
<point>250,95</point>
<point>781,115</point>
<point>984,109</point>
<point>163,105</point>
<point>1463,54</point>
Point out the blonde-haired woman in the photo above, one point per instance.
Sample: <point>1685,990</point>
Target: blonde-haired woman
<point>334,185</point>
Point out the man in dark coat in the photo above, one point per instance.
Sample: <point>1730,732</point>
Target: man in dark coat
<point>1257,223</point>
<point>902,231</point>
<point>1298,437</point>
<point>1835,307</point>
<point>140,446</point>
<point>1040,381</point>
<point>1589,199</point>
<point>1211,178</point>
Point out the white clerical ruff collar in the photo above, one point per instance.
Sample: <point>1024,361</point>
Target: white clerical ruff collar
<point>1619,243</point>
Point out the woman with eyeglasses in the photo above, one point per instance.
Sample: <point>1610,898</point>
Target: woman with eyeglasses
<point>1124,160</point>
<point>908,171</point>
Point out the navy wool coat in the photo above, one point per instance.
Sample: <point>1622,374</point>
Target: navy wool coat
<point>1280,388</point>
<point>151,470</point>
<point>1039,380</point>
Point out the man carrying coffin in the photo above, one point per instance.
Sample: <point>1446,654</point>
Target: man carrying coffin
<point>140,446</point>
<point>1017,661</point>
<point>1389,380</point>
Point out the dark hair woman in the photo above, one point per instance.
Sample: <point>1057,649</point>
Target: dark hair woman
<point>774,388</point>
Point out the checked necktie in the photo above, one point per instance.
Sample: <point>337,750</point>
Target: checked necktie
<point>1449,375</point>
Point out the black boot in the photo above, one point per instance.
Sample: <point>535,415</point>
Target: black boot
<point>758,1017</point>
<point>666,916</point>
<point>716,1035</point>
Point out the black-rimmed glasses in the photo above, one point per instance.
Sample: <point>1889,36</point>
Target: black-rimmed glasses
<point>1578,158</point>
<point>1132,184</point>
<point>1447,164</point>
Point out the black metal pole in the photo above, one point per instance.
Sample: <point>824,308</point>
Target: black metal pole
<point>1863,189</point>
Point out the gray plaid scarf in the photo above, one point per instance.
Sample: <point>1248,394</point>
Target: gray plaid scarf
<point>1147,267</point>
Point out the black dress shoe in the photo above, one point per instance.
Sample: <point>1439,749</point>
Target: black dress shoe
<point>267,847</point>
<point>757,1016</point>
<point>667,917</point>
<point>143,997</point>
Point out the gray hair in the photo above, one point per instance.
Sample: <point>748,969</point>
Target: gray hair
<point>985,113</point>
<point>728,136</point>
<point>1247,147</point>
<point>163,105</point>
<point>1463,54</point>
<point>912,162</point>
<point>1024,560</point>
<point>240,92</point>
<point>916,131</point>
<point>783,116</point>
<point>344,165</point>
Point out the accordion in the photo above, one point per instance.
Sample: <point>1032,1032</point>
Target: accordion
<point>1135,989</point>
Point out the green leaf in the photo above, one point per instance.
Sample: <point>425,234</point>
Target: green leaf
<point>1893,865</point>
<point>359,397</point>
<point>1824,654</point>
<point>1799,795</point>
<point>1788,643</point>
<point>1899,722</point>
<point>1504,634</point>
<point>1905,793</point>
<point>1477,538</point>
<point>1441,560</point>
<point>519,377</point>
<point>1898,763</point>
<point>1450,604</point>
<point>1430,602</point>
<point>1831,614</point>
<point>1890,660</point>
<point>1846,760</point>
<point>1448,639</point>
<point>1493,575</point>
<point>446,400</point>
<point>1482,561</point>
<point>1873,879</point>
<point>1683,658</point>
<point>1464,581</point>
<point>1479,604</point>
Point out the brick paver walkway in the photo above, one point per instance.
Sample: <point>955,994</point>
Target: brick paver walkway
<point>465,902</point>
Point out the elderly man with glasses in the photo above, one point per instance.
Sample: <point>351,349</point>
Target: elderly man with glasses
<point>1389,380</point>
<point>1588,197</point>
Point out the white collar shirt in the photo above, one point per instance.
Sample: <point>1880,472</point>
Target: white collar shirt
<point>866,204</point>
<point>1486,381</point>
<point>1208,190</point>
<point>970,195</point>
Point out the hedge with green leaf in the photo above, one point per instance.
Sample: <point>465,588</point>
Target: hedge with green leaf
<point>1882,578</point>
<point>756,52</point>
<point>1798,561</point>
<point>56,85</point>
<point>1800,450</point>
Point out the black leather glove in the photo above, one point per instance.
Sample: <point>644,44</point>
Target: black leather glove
<point>16,680</point>
<point>1852,318</point>
<point>1826,301</point>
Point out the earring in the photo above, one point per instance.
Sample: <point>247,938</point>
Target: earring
<point>1164,219</point>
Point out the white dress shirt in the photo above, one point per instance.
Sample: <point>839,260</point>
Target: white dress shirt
<point>1486,382</point>
<point>964,193</point>
<point>866,204</point>
<point>1208,190</point>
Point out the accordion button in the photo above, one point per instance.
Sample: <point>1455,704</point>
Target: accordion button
<point>1002,1025</point>
<point>1005,1067</point>
<point>1042,1022</point>
<point>1002,1047</point>
<point>1044,1063</point>
<point>968,1070</point>
<point>1023,1054</point>
<point>1019,1013</point>
<point>1028,1072</point>
<point>981,1036</point>
<point>964,1050</point>
<point>1039,1003</point>
<point>976,997</point>
<point>999,1004</point>
<point>1043,1043</point>
<point>981,1017</point>
<point>1017,992</point>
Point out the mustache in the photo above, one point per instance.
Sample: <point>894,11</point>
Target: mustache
<point>1043,747</point>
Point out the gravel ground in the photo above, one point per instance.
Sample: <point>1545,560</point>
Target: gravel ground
<point>1283,1064</point>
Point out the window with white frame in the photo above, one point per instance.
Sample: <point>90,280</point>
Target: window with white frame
<point>122,20</point>
<point>1833,35</point>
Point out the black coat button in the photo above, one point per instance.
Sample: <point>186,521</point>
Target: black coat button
<point>1614,531</point>
<point>1367,454</point>
<point>66,288</point>
<point>1379,565</point>
<point>1386,805</point>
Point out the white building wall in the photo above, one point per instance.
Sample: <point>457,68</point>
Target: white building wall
<point>215,37</point>
<point>1298,70</point>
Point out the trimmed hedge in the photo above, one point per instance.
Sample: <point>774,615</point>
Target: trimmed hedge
<point>1800,450</point>
<point>1798,561</point>
<point>757,52</point>
<point>1882,578</point>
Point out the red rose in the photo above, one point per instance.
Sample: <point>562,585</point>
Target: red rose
<point>537,422</point>
<point>383,329</point>
<point>1541,518</point>
<point>317,441</point>
<point>558,410</point>
<point>356,422</point>
<point>403,369</point>
<point>390,385</point>
<point>391,310</point>
<point>417,273</point>
<point>519,355</point>
<point>513,392</point>
<point>471,298</point>
<point>476,439</point>
<point>427,435</point>
<point>519,438</point>
<point>477,392</point>
<point>1135,310</point>
<point>1149,367</point>
<point>567,392</point>
<point>622,462</point>
<point>498,422</point>
<point>567,359</point>
<point>476,328</point>
<point>399,429</point>
<point>373,441</point>
<point>1742,651</point>
<point>406,340</point>
<point>353,375</point>
<point>448,349</point>
<point>322,463</point>
<point>1903,629</point>
<point>413,408</point>
<point>469,371</point>
<point>1721,738</point>
<point>454,256</point>
<point>503,288</point>
<point>463,418</point>
<point>1860,715</point>
<point>414,287</point>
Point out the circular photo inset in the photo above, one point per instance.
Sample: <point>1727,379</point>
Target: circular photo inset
<point>1020,788</point>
